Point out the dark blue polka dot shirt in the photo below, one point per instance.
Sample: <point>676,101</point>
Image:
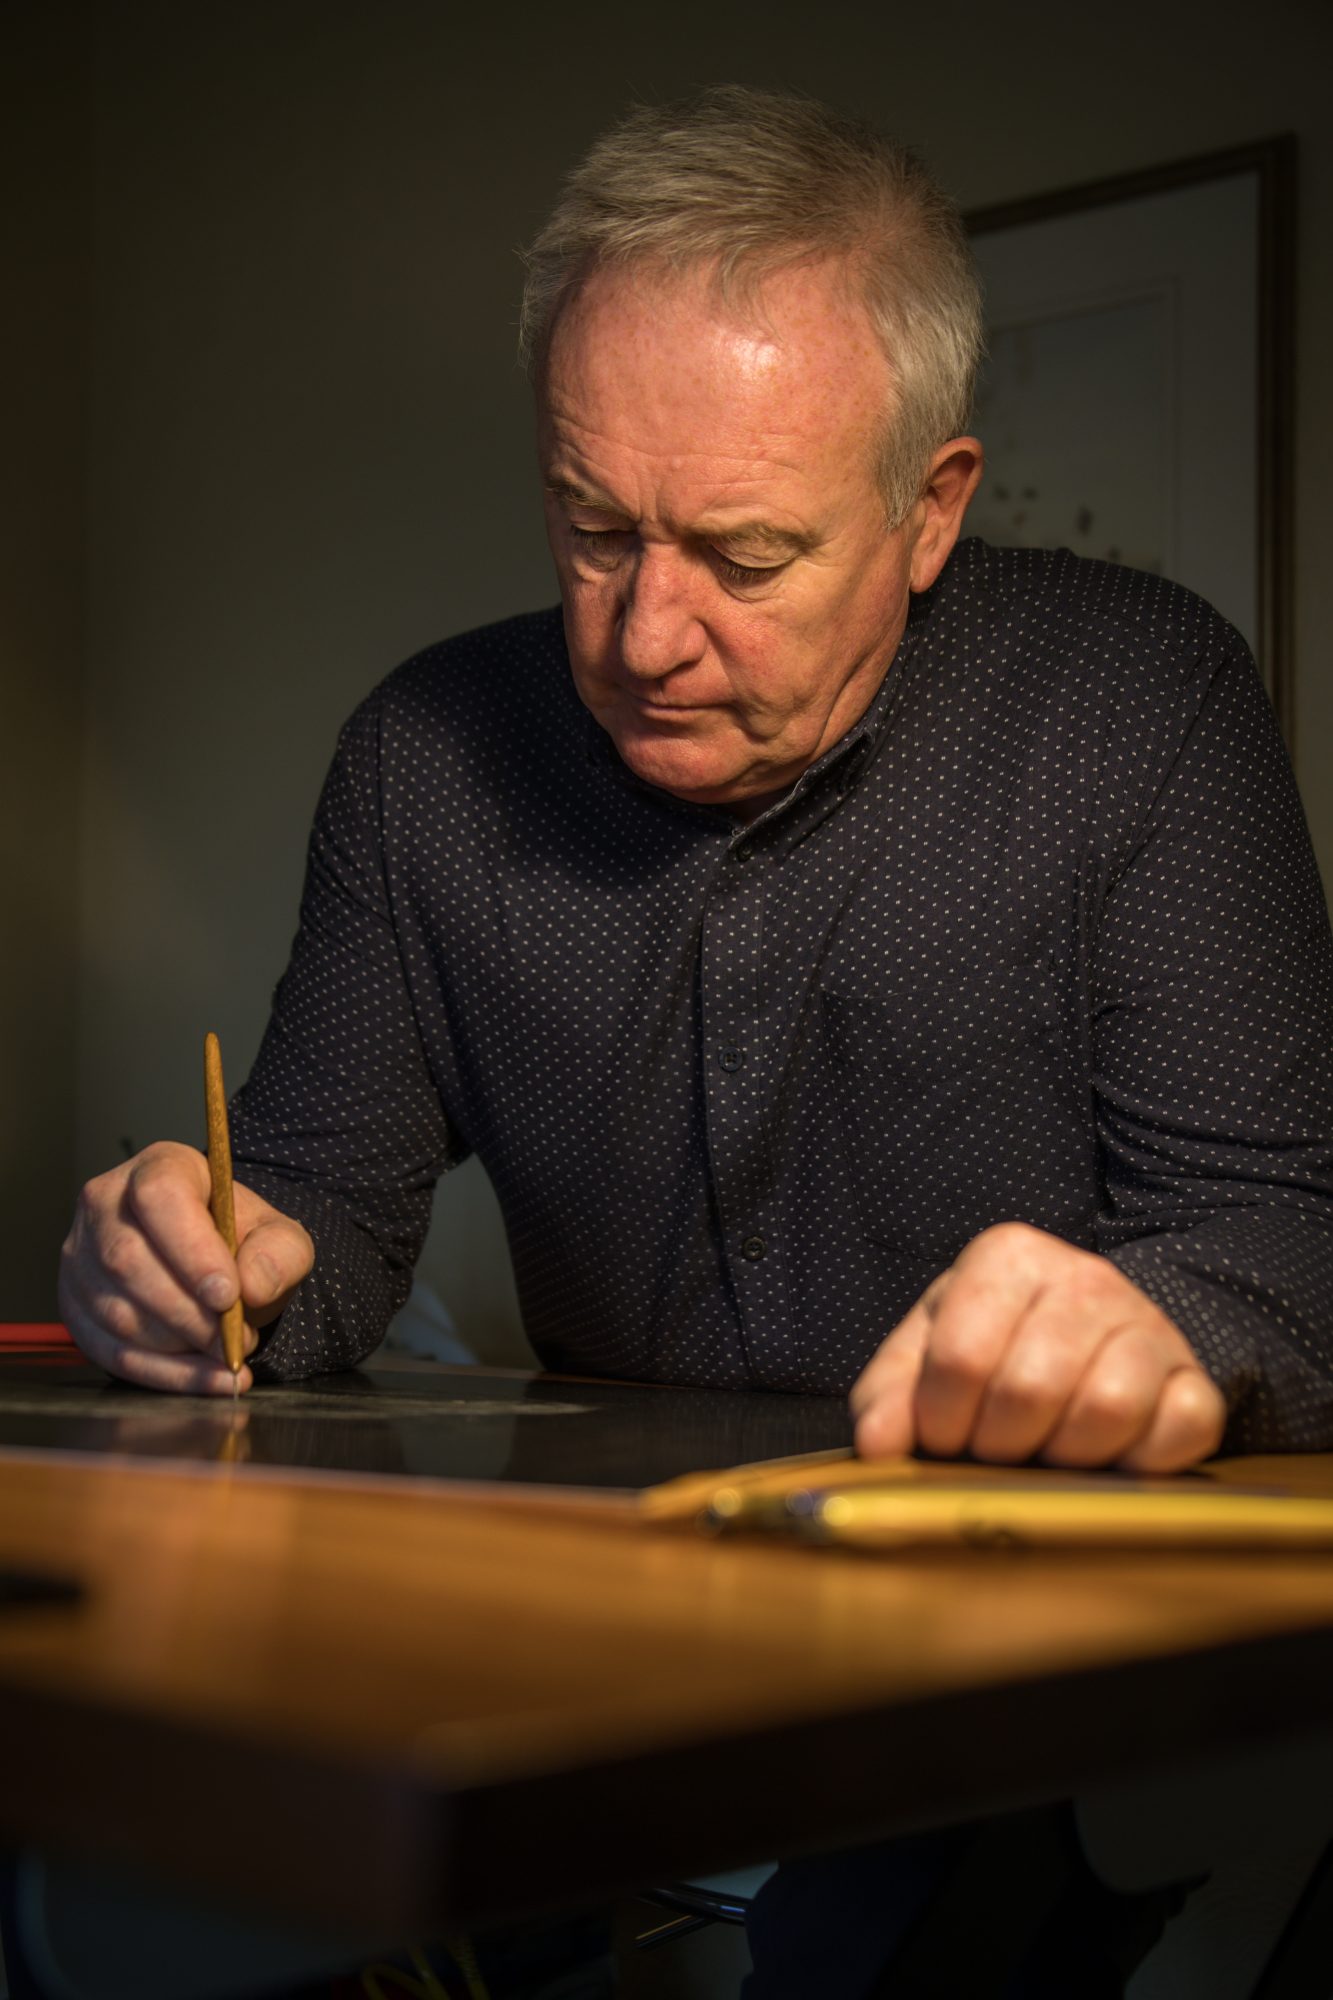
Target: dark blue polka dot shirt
<point>1041,938</point>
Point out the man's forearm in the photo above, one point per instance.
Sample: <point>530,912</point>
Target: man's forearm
<point>340,1313</point>
<point>1252,1291</point>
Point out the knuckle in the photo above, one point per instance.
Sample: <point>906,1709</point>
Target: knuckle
<point>1027,1383</point>
<point>1084,1282</point>
<point>147,1170</point>
<point>93,1198</point>
<point>1113,1401</point>
<point>1006,1237</point>
<point>959,1356</point>
<point>120,1254</point>
<point>119,1317</point>
<point>161,1165</point>
<point>1083,1286</point>
<point>996,1242</point>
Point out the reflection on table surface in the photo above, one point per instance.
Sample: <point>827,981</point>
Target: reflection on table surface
<point>425,1419</point>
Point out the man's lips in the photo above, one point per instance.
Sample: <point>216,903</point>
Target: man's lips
<point>647,707</point>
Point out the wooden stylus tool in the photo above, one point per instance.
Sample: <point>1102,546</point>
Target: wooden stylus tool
<point>221,1202</point>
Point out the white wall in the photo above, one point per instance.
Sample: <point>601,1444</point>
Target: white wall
<point>310,445</point>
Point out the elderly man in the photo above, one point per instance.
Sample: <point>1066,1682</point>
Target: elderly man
<point>861,960</point>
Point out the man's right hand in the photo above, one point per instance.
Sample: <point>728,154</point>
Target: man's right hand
<point>145,1277</point>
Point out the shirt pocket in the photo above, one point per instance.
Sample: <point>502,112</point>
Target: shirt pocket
<point>960,1108</point>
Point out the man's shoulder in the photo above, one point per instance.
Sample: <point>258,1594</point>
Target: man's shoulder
<point>508,665</point>
<point>486,715</point>
<point>1060,606</point>
<point>479,709</point>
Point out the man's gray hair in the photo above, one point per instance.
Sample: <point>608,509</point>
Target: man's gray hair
<point>752,180</point>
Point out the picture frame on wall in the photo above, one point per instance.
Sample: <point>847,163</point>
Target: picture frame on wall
<point>1136,400</point>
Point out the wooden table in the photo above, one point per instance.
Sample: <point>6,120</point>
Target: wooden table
<point>380,1705</point>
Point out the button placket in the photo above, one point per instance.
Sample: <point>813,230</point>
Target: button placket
<point>738,1091</point>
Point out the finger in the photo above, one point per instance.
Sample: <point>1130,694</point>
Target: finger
<point>1187,1425</point>
<point>1114,1402</point>
<point>133,1314</point>
<point>977,1317</point>
<point>105,1272</point>
<point>122,1280</point>
<point>1037,1375</point>
<point>883,1400</point>
<point>166,1194</point>
<point>187,1374</point>
<point>121,1313</point>
<point>183,1375</point>
<point>275,1254</point>
<point>910,1330</point>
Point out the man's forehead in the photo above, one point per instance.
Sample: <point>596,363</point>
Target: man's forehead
<point>798,332</point>
<point>597,450</point>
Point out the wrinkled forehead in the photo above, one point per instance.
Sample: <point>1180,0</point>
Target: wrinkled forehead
<point>683,352</point>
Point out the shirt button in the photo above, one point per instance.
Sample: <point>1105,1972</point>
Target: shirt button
<point>729,1058</point>
<point>753,1249</point>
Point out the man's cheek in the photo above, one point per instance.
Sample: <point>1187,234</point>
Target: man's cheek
<point>590,615</point>
<point>586,632</point>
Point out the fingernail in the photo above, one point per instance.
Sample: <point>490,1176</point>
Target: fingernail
<point>268,1272</point>
<point>217,1292</point>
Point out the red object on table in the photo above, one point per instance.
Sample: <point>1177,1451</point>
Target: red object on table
<point>27,1339</point>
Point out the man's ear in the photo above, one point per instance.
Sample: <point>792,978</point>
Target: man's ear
<point>952,478</point>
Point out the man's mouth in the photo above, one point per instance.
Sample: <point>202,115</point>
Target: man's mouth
<point>670,707</point>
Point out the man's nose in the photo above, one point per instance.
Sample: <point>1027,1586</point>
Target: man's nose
<point>659,624</point>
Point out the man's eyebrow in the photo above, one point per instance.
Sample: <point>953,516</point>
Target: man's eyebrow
<point>583,496</point>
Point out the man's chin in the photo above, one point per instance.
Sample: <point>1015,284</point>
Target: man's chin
<point>687,770</point>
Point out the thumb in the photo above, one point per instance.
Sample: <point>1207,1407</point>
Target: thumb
<point>883,1401</point>
<point>274,1255</point>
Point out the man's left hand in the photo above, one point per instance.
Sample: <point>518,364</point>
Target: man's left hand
<point>1029,1348</point>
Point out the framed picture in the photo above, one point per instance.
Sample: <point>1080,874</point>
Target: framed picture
<point>1136,400</point>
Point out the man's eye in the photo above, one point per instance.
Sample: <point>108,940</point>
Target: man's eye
<point>604,548</point>
<point>603,545</point>
<point>744,573</point>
